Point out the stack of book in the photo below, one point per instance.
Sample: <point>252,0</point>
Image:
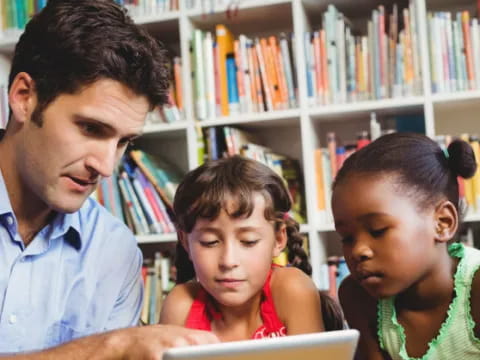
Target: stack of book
<point>234,76</point>
<point>158,281</point>
<point>173,110</point>
<point>454,44</point>
<point>138,8</point>
<point>141,193</point>
<point>227,141</point>
<point>344,68</point>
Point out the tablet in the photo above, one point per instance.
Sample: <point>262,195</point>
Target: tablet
<point>338,345</point>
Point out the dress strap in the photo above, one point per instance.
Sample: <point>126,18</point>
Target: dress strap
<point>198,316</point>
<point>267,308</point>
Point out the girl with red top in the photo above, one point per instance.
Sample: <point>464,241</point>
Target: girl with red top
<point>232,220</point>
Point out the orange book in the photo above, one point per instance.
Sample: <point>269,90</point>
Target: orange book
<point>225,48</point>
<point>324,67</point>
<point>468,49</point>
<point>319,179</point>
<point>408,48</point>
<point>318,64</point>
<point>271,72</point>
<point>263,75</point>
<point>177,76</point>
<point>282,82</point>
<point>253,78</point>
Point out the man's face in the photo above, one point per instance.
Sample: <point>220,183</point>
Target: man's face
<point>81,138</point>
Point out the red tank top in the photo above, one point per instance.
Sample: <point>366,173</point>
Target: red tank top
<point>202,312</point>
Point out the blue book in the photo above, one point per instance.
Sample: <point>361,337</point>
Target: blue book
<point>233,99</point>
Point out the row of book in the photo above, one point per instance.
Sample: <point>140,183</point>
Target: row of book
<point>385,63</point>
<point>141,193</point>
<point>139,8</point>
<point>469,188</point>
<point>158,279</point>
<point>14,14</point>
<point>173,110</point>
<point>328,161</point>
<point>454,45</point>
<point>219,142</point>
<point>243,75</point>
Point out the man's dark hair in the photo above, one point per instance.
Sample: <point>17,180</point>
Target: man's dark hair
<point>73,43</point>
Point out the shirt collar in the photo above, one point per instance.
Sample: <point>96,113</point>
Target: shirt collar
<point>66,225</point>
<point>5,206</point>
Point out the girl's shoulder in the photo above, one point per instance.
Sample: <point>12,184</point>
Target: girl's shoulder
<point>475,302</point>
<point>177,304</point>
<point>290,280</point>
<point>291,290</point>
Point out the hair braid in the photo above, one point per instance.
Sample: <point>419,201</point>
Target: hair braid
<point>296,253</point>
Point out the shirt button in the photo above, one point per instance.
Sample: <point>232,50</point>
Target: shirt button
<point>12,319</point>
<point>9,220</point>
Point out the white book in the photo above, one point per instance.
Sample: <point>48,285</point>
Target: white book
<point>245,103</point>
<point>200,100</point>
<point>476,51</point>
<point>437,46</point>
<point>209,75</point>
<point>287,67</point>
<point>342,70</point>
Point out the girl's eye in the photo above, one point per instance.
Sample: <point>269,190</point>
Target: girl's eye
<point>209,243</point>
<point>250,243</point>
<point>378,232</point>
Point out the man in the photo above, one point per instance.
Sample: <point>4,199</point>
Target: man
<point>83,78</point>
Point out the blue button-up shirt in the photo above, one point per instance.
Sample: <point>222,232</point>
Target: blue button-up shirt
<point>80,275</point>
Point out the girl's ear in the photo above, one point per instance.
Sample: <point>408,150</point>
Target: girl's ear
<point>280,240</point>
<point>446,221</point>
<point>182,238</point>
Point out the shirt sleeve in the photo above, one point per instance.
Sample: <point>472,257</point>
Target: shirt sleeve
<point>128,305</point>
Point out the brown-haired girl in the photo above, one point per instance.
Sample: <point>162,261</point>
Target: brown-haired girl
<point>232,220</point>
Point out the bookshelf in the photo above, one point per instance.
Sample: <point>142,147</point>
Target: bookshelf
<point>297,131</point>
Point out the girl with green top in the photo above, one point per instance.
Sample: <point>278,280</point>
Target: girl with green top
<point>412,293</point>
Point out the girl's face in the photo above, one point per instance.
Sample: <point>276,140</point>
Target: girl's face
<point>388,242</point>
<point>232,256</point>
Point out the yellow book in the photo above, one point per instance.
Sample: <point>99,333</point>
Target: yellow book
<point>225,47</point>
<point>476,178</point>
<point>469,194</point>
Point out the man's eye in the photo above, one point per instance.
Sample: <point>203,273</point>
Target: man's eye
<point>90,129</point>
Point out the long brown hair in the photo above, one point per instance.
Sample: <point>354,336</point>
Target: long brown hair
<point>204,192</point>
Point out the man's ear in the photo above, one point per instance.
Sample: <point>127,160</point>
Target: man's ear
<point>22,97</point>
<point>446,221</point>
<point>280,240</point>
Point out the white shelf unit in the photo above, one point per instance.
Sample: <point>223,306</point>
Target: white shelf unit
<point>295,132</point>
